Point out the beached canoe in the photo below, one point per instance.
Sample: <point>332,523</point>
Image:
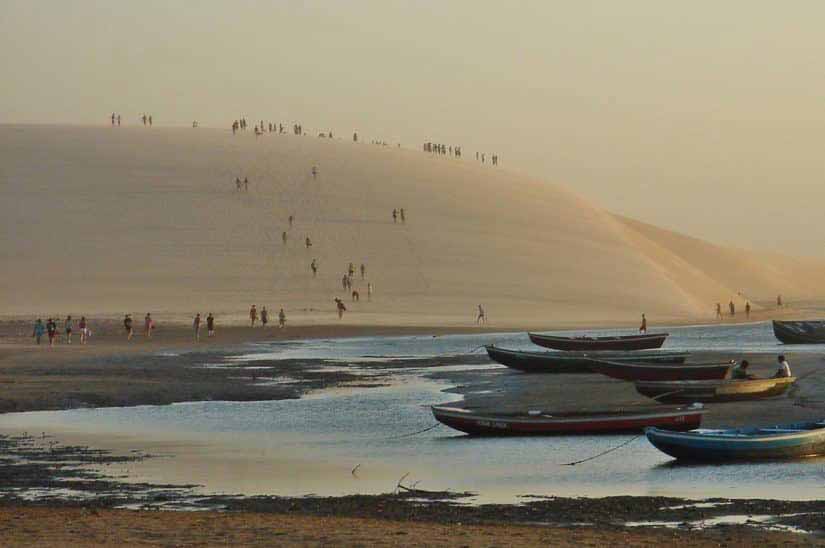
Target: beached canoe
<point>546,423</point>
<point>808,332</point>
<point>654,372</point>
<point>806,439</point>
<point>714,390</point>
<point>585,344</point>
<point>573,362</point>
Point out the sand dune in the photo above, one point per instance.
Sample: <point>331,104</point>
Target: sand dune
<point>110,220</point>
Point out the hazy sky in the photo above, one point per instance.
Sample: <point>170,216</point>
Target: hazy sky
<point>705,117</point>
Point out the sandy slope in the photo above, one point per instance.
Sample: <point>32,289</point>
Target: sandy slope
<point>102,221</point>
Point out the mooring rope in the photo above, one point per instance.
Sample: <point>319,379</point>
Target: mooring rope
<point>628,442</point>
<point>431,427</point>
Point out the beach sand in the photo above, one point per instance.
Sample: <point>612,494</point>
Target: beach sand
<point>21,526</point>
<point>101,221</point>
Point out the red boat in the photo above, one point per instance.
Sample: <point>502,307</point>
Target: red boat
<point>593,344</point>
<point>653,372</point>
<point>538,423</point>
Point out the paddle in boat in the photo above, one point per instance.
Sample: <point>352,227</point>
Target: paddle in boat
<point>804,332</point>
<point>573,362</point>
<point>791,441</point>
<point>537,423</point>
<point>712,391</point>
<point>630,342</point>
<point>654,372</point>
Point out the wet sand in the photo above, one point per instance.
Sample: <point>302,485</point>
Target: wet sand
<point>26,526</point>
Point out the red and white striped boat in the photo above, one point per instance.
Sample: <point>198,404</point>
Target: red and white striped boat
<point>538,423</point>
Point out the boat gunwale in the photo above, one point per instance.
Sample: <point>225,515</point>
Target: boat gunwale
<point>731,435</point>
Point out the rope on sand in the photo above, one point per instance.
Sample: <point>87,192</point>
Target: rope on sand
<point>628,442</point>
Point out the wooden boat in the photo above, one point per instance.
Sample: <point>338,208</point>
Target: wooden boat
<point>573,362</point>
<point>808,332</point>
<point>805,439</point>
<point>656,372</point>
<point>541,423</point>
<point>631,342</point>
<point>714,390</point>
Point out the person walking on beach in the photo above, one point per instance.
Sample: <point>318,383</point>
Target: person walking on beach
<point>394,216</point>
<point>281,319</point>
<point>196,327</point>
<point>779,301</point>
<point>210,325</point>
<point>369,291</point>
<point>732,308</point>
<point>51,330</point>
<point>68,325</point>
<point>39,330</point>
<point>308,242</point>
<point>291,218</point>
<point>643,327</point>
<point>147,326</point>
<point>253,315</point>
<point>264,317</point>
<point>403,216</point>
<point>246,184</point>
<point>238,184</point>
<point>84,329</point>
<point>356,296</point>
<point>351,270</point>
<point>314,266</point>
<point>719,311</point>
<point>341,307</point>
<point>748,309</point>
<point>283,236</point>
<point>344,282</point>
<point>127,325</point>
<point>118,120</point>
<point>363,271</point>
<point>314,172</point>
<point>482,316</point>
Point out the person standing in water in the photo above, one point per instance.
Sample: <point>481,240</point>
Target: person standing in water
<point>84,330</point>
<point>196,326</point>
<point>39,330</point>
<point>264,317</point>
<point>253,315</point>
<point>68,325</point>
<point>643,327</point>
<point>281,319</point>
<point>210,325</point>
<point>482,316</point>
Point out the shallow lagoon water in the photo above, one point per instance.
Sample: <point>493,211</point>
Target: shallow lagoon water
<point>312,445</point>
